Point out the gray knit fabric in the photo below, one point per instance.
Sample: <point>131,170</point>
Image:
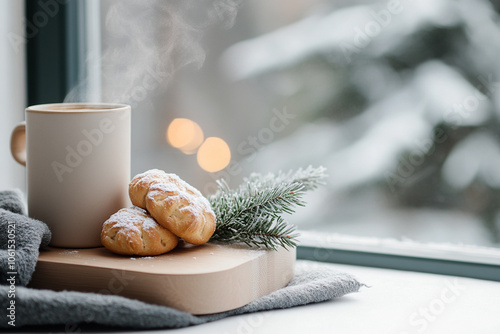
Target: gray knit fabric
<point>312,283</point>
<point>12,200</point>
<point>26,236</point>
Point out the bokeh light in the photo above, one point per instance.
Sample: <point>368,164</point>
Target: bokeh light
<point>214,154</point>
<point>185,134</point>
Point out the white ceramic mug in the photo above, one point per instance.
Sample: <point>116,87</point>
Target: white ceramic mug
<point>77,158</point>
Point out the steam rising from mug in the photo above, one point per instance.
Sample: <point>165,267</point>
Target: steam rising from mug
<point>148,42</point>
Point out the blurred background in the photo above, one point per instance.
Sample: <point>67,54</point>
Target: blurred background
<point>398,99</point>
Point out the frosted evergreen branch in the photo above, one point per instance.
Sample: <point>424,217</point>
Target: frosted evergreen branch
<point>268,232</point>
<point>309,177</point>
<point>251,214</point>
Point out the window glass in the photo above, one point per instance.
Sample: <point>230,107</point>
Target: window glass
<point>397,99</point>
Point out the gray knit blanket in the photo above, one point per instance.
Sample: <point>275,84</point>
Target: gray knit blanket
<point>21,238</point>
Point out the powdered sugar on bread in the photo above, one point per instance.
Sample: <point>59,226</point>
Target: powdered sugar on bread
<point>132,231</point>
<point>174,204</point>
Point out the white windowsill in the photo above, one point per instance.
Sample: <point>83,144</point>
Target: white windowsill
<point>396,302</point>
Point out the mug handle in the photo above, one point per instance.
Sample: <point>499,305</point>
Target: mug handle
<point>18,143</point>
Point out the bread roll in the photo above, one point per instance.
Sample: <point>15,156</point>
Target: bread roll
<point>174,204</point>
<point>182,210</point>
<point>132,231</point>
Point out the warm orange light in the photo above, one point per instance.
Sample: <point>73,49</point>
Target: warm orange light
<point>184,134</point>
<point>214,154</point>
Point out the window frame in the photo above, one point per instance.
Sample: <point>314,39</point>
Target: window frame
<point>444,259</point>
<point>62,49</point>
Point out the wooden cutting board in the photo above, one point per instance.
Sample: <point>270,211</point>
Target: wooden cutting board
<point>197,279</point>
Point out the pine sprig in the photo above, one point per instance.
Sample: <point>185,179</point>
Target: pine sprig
<point>251,214</point>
